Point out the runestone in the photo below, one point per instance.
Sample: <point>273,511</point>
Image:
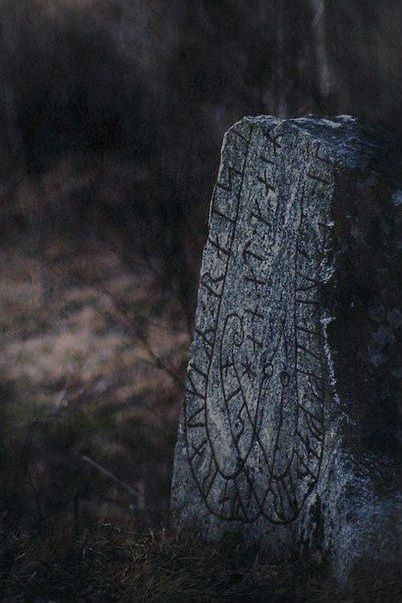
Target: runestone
<point>281,432</point>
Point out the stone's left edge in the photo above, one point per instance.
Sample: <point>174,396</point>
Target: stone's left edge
<point>188,509</point>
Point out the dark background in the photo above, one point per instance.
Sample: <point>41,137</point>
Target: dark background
<point>111,118</point>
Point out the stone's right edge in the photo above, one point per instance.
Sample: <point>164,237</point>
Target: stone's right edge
<point>353,513</point>
<point>364,344</point>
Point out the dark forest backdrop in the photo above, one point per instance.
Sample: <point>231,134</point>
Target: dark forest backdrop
<point>112,114</point>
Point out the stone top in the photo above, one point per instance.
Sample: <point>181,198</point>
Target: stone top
<point>347,141</point>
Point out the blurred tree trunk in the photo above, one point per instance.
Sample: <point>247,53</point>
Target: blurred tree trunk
<point>12,165</point>
<point>39,235</point>
<point>319,26</point>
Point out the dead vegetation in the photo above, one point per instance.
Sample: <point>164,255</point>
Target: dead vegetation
<point>89,410</point>
<point>94,373</point>
<point>114,562</point>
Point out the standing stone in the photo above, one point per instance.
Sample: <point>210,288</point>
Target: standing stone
<point>288,435</point>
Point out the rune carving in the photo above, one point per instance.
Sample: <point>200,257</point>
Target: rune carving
<point>255,405</point>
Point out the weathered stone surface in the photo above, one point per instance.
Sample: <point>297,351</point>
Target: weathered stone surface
<point>288,435</point>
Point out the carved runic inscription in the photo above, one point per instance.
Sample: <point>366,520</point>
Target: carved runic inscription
<point>254,418</point>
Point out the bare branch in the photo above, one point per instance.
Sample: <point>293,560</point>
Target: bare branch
<point>133,492</point>
<point>135,330</point>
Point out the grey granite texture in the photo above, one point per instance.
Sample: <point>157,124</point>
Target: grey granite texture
<point>289,432</point>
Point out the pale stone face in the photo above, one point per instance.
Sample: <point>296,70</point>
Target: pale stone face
<point>260,422</point>
<point>254,419</point>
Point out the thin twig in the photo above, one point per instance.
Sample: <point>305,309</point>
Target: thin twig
<point>133,492</point>
<point>136,333</point>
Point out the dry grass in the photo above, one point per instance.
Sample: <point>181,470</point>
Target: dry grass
<point>90,367</point>
<point>76,335</point>
<point>116,563</point>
